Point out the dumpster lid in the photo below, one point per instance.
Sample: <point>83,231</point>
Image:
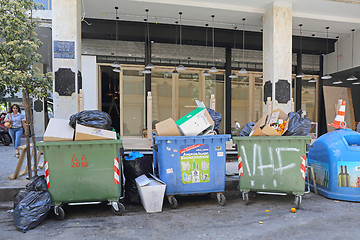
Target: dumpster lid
<point>143,180</point>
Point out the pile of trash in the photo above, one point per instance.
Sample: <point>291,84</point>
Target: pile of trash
<point>278,123</point>
<point>201,121</point>
<point>85,125</point>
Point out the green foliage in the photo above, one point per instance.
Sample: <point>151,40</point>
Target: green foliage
<point>18,49</point>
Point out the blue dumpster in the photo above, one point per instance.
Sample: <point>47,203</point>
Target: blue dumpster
<point>191,165</point>
<point>335,157</point>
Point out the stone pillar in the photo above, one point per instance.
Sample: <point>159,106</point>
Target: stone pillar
<point>277,55</point>
<point>66,49</point>
<point>38,117</point>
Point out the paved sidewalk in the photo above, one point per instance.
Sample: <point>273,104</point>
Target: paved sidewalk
<point>8,188</point>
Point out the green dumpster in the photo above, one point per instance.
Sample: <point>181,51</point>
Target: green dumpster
<point>83,171</point>
<point>274,164</point>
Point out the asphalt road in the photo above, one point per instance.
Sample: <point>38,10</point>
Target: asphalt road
<point>200,217</point>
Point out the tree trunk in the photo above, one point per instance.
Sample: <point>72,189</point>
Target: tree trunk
<point>33,142</point>
<point>27,107</point>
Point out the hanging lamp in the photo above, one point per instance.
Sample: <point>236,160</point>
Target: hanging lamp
<point>300,75</point>
<point>206,73</point>
<point>116,65</point>
<point>175,72</point>
<point>233,75</point>
<point>243,70</point>
<point>213,68</point>
<point>180,67</point>
<point>313,80</point>
<point>337,82</point>
<point>352,77</point>
<point>327,76</point>
<point>149,65</point>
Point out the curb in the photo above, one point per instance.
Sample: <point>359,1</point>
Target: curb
<point>8,194</point>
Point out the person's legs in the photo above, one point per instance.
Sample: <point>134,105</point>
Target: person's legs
<point>12,135</point>
<point>18,134</point>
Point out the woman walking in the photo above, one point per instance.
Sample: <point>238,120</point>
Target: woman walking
<point>17,121</point>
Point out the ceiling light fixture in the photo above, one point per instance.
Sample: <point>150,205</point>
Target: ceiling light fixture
<point>116,65</point>
<point>313,80</point>
<point>243,70</point>
<point>327,76</point>
<point>352,77</point>
<point>213,68</point>
<point>301,75</point>
<point>337,62</point>
<point>149,65</point>
<point>233,75</point>
<point>175,72</point>
<point>180,67</point>
<point>205,73</point>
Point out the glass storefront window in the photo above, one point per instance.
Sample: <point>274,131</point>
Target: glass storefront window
<point>188,92</point>
<point>161,91</point>
<point>133,95</point>
<point>215,84</point>
<point>239,100</point>
<point>308,98</point>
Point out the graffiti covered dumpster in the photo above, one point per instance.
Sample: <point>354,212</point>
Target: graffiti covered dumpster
<point>273,164</point>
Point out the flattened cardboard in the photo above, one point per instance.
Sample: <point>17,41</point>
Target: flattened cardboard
<point>167,127</point>
<point>84,133</point>
<point>58,130</point>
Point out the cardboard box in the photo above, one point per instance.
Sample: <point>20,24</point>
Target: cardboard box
<point>58,130</point>
<point>83,133</point>
<point>167,127</point>
<point>151,192</point>
<point>263,128</point>
<point>195,122</point>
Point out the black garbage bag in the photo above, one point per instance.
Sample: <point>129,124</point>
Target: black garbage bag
<point>358,128</point>
<point>245,132</point>
<point>297,125</point>
<point>133,169</point>
<point>216,117</point>
<point>37,183</point>
<point>91,118</point>
<point>32,210</point>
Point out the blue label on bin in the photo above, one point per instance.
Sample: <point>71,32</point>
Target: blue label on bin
<point>195,163</point>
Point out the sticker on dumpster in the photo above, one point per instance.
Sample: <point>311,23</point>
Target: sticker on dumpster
<point>321,171</point>
<point>81,163</point>
<point>218,148</point>
<point>169,170</point>
<point>195,163</point>
<point>220,154</point>
<point>348,175</point>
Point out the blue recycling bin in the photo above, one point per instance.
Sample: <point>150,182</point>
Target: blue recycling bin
<point>191,165</point>
<point>335,157</point>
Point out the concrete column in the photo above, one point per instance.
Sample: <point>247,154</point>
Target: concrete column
<point>277,55</point>
<point>38,117</point>
<point>66,49</point>
<point>90,83</point>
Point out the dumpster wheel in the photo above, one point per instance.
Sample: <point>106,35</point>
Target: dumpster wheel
<point>221,199</point>
<point>59,213</point>
<point>117,208</point>
<point>245,197</point>
<point>297,201</point>
<point>173,202</point>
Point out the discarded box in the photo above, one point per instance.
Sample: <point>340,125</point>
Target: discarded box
<point>151,192</point>
<point>195,122</point>
<point>167,127</point>
<point>58,130</point>
<point>263,128</point>
<point>83,133</point>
